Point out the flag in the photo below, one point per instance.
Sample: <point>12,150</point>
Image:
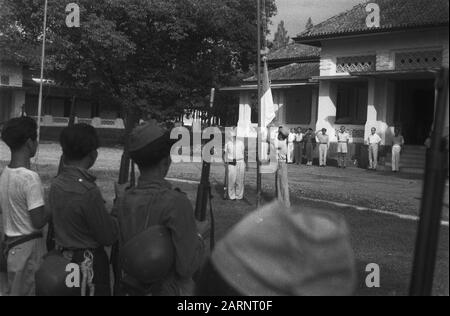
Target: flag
<point>267,106</point>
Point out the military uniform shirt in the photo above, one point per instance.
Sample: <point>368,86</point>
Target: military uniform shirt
<point>80,218</point>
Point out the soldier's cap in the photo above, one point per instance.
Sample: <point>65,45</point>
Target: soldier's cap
<point>284,131</point>
<point>277,251</point>
<point>145,134</point>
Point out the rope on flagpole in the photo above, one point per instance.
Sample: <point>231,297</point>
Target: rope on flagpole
<point>41,82</point>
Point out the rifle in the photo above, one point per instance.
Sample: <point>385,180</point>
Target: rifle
<point>71,123</point>
<point>51,244</point>
<point>204,194</point>
<point>433,195</point>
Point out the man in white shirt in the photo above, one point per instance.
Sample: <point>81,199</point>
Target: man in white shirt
<point>234,157</point>
<point>22,206</point>
<point>282,182</point>
<point>291,140</point>
<point>343,139</point>
<point>324,146</point>
<point>374,142</point>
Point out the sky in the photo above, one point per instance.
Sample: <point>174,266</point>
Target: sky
<point>295,13</point>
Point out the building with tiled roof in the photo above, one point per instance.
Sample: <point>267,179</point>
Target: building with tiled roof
<point>293,53</point>
<point>395,16</point>
<point>377,67</point>
<point>292,72</point>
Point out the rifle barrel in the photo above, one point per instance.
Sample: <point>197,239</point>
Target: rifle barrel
<point>433,193</point>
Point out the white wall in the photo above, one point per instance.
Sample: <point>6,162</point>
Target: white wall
<point>380,111</point>
<point>385,46</point>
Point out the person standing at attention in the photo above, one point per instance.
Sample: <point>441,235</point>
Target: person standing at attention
<point>324,145</point>
<point>22,208</point>
<point>291,140</point>
<point>234,158</point>
<point>310,142</point>
<point>374,142</point>
<point>397,145</point>
<point>343,138</point>
<point>298,146</point>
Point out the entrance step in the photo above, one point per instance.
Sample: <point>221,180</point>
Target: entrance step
<point>412,160</point>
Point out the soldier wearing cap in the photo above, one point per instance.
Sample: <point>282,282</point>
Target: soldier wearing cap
<point>282,183</point>
<point>82,224</point>
<point>153,202</point>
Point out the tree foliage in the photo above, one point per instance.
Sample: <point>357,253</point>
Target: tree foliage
<point>160,56</point>
<point>309,24</point>
<point>281,38</point>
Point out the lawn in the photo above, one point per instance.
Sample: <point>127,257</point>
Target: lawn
<point>376,238</point>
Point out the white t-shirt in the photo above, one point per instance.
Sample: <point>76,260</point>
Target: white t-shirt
<point>291,138</point>
<point>374,139</point>
<point>234,150</point>
<point>21,191</point>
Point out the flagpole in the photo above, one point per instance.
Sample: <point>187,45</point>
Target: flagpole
<point>41,83</point>
<point>258,162</point>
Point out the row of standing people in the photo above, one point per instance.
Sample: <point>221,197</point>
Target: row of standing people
<point>300,142</point>
<point>305,141</point>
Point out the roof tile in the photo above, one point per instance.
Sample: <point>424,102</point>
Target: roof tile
<point>394,14</point>
<point>292,72</point>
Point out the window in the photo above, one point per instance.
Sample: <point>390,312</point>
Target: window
<point>298,105</point>
<point>4,80</point>
<point>418,60</point>
<point>356,64</point>
<point>352,103</point>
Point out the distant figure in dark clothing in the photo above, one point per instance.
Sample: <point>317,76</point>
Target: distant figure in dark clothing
<point>298,146</point>
<point>310,143</point>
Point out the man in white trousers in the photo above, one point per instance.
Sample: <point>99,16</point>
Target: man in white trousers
<point>324,146</point>
<point>234,154</point>
<point>397,145</point>
<point>291,140</point>
<point>374,142</point>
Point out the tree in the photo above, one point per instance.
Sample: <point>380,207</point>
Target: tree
<point>159,56</point>
<point>309,24</point>
<point>281,38</point>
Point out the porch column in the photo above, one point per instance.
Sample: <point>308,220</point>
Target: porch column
<point>326,112</point>
<point>377,109</point>
<point>245,114</point>
<point>314,107</point>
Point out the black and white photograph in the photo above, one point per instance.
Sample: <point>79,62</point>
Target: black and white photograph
<point>224,152</point>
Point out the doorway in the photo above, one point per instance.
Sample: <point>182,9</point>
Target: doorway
<point>5,105</point>
<point>414,109</point>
